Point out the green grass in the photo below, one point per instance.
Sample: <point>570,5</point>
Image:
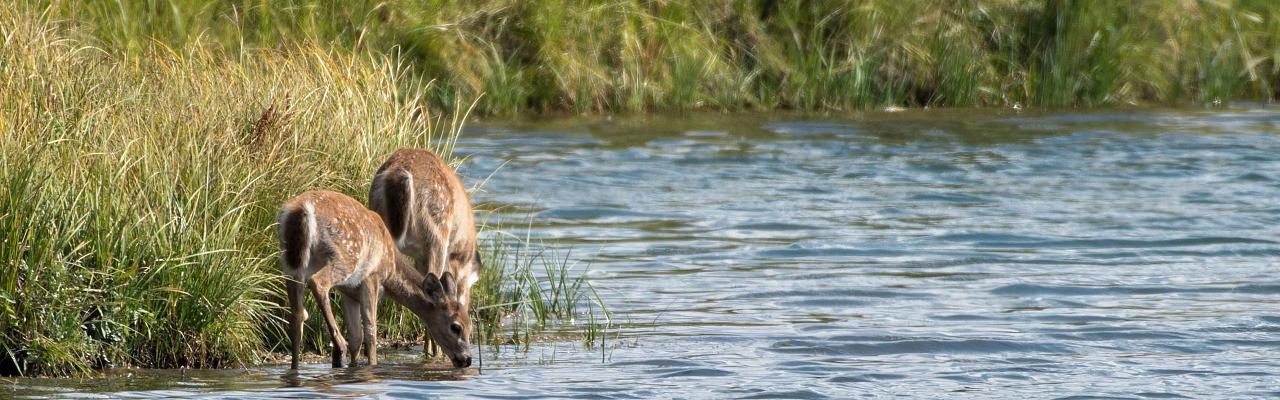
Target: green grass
<point>138,193</point>
<point>555,56</point>
<point>539,289</point>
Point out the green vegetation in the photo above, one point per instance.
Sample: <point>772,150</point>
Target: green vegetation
<point>646,55</point>
<point>138,193</point>
<point>524,303</point>
<point>146,144</point>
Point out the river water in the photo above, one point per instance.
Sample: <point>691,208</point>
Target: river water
<point>936,253</point>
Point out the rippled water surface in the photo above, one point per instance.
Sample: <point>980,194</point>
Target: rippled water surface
<point>1130,254</point>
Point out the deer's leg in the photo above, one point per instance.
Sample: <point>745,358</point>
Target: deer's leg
<point>298,314</point>
<point>441,252</point>
<point>464,294</point>
<point>351,315</point>
<point>436,262</point>
<point>436,253</point>
<point>322,299</point>
<point>369,315</point>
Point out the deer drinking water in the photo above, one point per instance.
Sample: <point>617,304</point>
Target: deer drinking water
<point>429,214</point>
<point>332,241</point>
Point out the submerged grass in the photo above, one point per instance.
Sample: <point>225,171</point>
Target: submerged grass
<point>643,55</point>
<point>138,193</point>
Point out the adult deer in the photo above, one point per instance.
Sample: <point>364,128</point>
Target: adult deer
<point>332,241</point>
<point>429,214</point>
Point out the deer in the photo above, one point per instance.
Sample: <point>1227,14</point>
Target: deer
<point>427,210</point>
<point>331,240</point>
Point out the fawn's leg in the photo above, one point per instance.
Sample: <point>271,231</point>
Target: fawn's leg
<point>436,262</point>
<point>339,344</point>
<point>351,315</point>
<point>298,314</point>
<point>369,315</point>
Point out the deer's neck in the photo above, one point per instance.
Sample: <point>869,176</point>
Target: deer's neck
<point>404,286</point>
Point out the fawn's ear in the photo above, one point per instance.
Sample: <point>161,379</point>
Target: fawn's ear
<point>435,291</point>
<point>449,284</point>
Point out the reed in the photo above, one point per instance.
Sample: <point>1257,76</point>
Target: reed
<point>138,191</point>
<point>555,56</point>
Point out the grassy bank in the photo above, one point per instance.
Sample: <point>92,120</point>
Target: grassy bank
<point>138,192</point>
<point>643,55</point>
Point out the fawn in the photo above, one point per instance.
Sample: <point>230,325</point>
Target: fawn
<point>331,240</point>
<point>429,215</point>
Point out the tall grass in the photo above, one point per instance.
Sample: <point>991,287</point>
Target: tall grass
<point>138,190</point>
<point>645,55</point>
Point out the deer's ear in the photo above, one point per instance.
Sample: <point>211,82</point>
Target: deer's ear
<point>432,286</point>
<point>449,284</point>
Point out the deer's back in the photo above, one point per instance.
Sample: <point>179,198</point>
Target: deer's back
<point>437,196</point>
<point>350,243</point>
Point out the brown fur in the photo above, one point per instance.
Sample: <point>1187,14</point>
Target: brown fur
<point>332,241</point>
<point>434,212</point>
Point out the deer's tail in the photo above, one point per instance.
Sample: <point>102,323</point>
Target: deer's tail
<point>297,236</point>
<point>395,190</point>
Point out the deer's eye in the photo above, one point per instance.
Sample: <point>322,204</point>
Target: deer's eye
<point>456,328</point>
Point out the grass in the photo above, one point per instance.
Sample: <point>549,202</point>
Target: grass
<point>537,290</point>
<point>556,56</point>
<point>138,192</point>
<point>537,297</point>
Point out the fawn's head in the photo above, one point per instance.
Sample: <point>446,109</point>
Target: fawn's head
<point>448,320</point>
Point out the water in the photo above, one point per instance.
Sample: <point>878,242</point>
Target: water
<point>1127,254</point>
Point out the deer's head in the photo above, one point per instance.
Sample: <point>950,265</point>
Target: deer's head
<point>448,320</point>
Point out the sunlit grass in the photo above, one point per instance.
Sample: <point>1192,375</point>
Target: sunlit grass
<point>138,193</point>
<point>533,290</point>
<point>640,55</point>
